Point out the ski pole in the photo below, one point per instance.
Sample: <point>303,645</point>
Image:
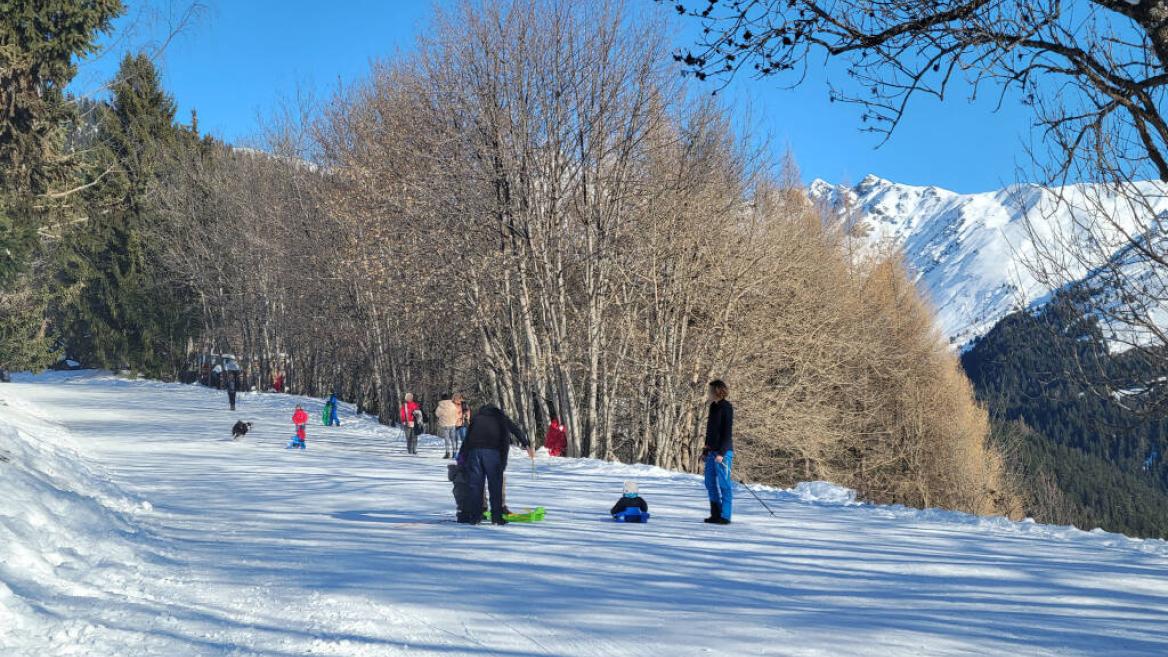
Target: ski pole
<point>749,490</point>
<point>764,504</point>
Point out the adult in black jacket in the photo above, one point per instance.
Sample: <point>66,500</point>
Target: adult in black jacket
<point>719,454</point>
<point>232,386</point>
<point>484,454</point>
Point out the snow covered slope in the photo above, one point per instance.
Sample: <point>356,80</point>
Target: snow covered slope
<point>970,252</point>
<point>131,525</point>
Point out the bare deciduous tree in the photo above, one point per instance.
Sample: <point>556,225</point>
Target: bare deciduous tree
<point>534,210</point>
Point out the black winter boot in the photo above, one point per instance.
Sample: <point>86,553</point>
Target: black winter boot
<point>498,520</point>
<point>715,512</point>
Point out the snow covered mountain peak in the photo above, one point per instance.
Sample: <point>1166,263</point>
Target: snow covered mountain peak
<point>872,182</point>
<point>968,253</point>
<point>820,188</point>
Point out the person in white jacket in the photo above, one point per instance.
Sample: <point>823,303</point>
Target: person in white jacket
<point>448,415</point>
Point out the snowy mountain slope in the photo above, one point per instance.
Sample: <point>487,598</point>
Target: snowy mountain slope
<point>170,539</point>
<point>970,252</point>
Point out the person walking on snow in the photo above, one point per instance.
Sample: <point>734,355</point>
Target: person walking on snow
<point>719,454</point>
<point>463,417</point>
<point>448,414</point>
<point>333,420</point>
<point>300,419</point>
<point>484,454</point>
<point>419,427</point>
<point>231,369</point>
<point>556,439</point>
<point>408,416</point>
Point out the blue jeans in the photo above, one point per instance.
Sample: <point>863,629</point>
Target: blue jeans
<point>486,464</point>
<point>718,482</point>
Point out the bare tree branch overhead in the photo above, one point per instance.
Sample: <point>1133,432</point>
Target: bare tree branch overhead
<point>1111,54</point>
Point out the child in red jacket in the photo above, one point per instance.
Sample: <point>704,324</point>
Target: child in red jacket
<point>300,419</point>
<point>556,440</point>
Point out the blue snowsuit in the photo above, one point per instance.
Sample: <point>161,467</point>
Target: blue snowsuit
<point>720,440</point>
<point>333,419</point>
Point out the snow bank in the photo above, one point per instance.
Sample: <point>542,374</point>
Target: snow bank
<point>65,530</point>
<point>824,492</point>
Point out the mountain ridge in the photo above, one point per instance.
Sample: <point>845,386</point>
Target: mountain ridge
<point>973,255</point>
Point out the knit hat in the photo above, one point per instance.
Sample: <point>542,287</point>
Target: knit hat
<point>630,488</point>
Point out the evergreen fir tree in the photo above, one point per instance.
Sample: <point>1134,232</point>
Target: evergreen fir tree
<point>121,313</point>
<point>1079,446</point>
<point>39,43</point>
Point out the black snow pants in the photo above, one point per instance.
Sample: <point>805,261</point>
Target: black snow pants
<point>461,479</point>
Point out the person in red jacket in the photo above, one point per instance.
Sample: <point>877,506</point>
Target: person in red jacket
<point>300,419</point>
<point>408,414</point>
<point>556,440</point>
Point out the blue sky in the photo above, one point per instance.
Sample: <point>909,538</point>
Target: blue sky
<point>241,59</point>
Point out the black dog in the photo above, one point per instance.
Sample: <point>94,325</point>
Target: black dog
<point>240,430</point>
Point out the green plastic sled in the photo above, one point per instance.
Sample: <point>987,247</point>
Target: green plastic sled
<point>326,414</point>
<point>533,515</point>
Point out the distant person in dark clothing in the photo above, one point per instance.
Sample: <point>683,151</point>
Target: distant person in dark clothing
<point>631,498</point>
<point>462,495</point>
<point>719,454</point>
<point>232,384</point>
<point>484,454</point>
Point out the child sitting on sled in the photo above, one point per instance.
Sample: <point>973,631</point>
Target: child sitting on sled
<point>631,507</point>
<point>300,419</point>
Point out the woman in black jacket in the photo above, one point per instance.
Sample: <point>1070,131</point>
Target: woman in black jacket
<point>719,454</point>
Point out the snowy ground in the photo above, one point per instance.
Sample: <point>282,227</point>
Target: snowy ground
<point>131,525</point>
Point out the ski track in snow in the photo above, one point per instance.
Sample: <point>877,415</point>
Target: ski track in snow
<point>147,531</point>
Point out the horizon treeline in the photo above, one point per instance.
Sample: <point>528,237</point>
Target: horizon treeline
<point>534,210</point>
